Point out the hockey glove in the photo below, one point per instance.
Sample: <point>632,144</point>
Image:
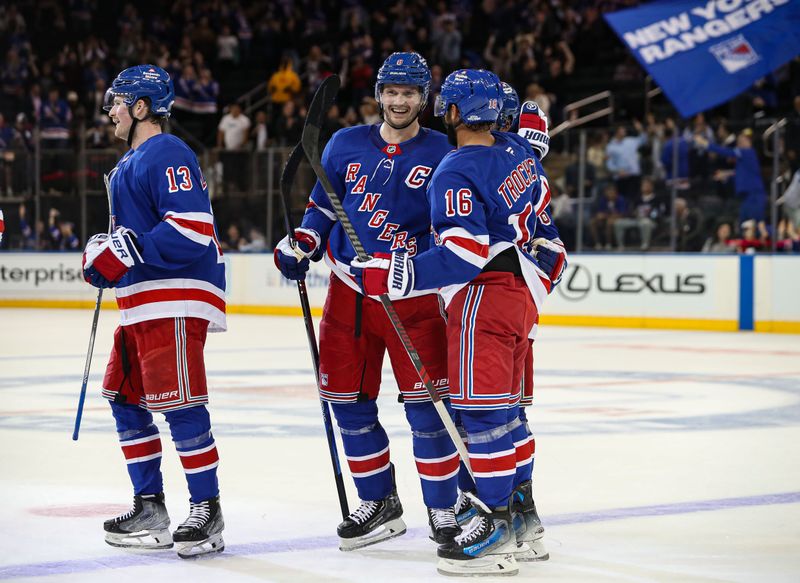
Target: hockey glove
<point>293,261</point>
<point>391,273</point>
<point>552,258</point>
<point>107,258</point>
<point>533,127</point>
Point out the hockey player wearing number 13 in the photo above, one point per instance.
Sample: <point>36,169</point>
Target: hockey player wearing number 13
<point>487,200</point>
<point>380,173</point>
<point>166,265</point>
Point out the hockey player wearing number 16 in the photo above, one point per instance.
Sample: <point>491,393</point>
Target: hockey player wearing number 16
<point>167,268</point>
<point>380,173</point>
<point>487,199</point>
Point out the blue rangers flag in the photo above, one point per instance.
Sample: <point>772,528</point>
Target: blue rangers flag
<point>704,52</point>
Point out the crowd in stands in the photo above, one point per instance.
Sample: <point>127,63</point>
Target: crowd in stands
<point>245,71</point>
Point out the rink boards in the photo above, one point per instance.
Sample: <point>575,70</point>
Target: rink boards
<point>679,291</point>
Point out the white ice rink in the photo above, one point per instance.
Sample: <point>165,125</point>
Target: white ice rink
<point>661,456</point>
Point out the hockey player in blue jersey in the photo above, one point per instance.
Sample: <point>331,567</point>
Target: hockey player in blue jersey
<point>381,173</point>
<point>527,525</point>
<point>487,202</point>
<point>166,265</point>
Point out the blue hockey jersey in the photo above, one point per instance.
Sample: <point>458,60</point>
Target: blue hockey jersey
<point>383,190</point>
<point>484,200</point>
<point>159,192</point>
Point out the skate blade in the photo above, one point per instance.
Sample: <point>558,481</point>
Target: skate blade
<point>149,540</point>
<point>487,566</point>
<point>531,551</point>
<point>194,550</point>
<point>391,529</point>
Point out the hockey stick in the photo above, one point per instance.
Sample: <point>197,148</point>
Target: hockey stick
<point>311,131</point>
<point>287,178</point>
<point>92,335</point>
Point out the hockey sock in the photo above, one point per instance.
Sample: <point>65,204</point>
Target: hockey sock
<point>523,444</point>
<point>491,453</point>
<point>465,481</point>
<point>141,446</point>
<point>366,447</point>
<point>191,432</point>
<point>435,454</point>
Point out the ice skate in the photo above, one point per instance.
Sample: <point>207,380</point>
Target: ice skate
<point>464,510</point>
<point>372,522</point>
<point>527,525</point>
<point>145,526</point>
<point>486,546</point>
<point>444,527</point>
<point>201,533</point>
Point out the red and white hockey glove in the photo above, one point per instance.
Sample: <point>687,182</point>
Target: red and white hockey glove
<point>533,126</point>
<point>107,258</point>
<point>2,226</point>
<point>383,273</point>
<point>293,261</point>
<point>552,258</point>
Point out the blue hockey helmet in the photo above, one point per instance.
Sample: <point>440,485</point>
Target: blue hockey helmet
<point>404,69</point>
<point>142,81</point>
<point>476,92</point>
<point>510,108</point>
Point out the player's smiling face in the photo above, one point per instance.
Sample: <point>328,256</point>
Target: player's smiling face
<point>120,117</point>
<point>401,104</point>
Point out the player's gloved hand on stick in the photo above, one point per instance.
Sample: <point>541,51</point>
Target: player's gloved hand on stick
<point>293,261</point>
<point>552,258</point>
<point>391,273</point>
<point>533,126</point>
<point>107,258</point>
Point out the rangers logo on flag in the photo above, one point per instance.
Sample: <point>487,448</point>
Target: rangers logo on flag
<point>734,54</point>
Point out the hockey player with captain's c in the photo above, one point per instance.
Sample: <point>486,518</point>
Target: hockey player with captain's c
<point>380,173</point>
<point>164,261</point>
<point>487,200</point>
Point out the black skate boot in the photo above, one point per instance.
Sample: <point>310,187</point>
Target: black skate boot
<point>485,547</point>
<point>201,533</point>
<point>444,527</point>
<point>372,522</point>
<point>145,526</point>
<point>527,525</point>
<point>464,509</point>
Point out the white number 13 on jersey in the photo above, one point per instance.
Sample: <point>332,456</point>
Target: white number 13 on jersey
<point>183,173</point>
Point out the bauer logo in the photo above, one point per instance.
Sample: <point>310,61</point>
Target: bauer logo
<point>735,54</point>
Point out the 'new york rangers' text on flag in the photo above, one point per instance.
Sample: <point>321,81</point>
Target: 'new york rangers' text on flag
<point>704,52</point>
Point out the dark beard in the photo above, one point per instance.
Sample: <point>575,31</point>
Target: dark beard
<point>451,134</point>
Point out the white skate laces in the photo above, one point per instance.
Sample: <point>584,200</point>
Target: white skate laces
<point>364,512</point>
<point>443,518</point>
<point>199,513</point>
<point>474,531</point>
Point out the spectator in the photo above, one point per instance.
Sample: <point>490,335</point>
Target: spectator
<point>232,134</point>
<point>289,126</point>
<point>623,159</point>
<point>284,84</point>
<point>608,208</point>
<point>791,201</point>
<point>667,161</point>
<point>55,117</point>
<point>257,242</point>
<point>646,217</point>
<point>227,49</point>
<point>332,123</point>
<point>748,183</point>
<point>561,206</point>
<point>447,44</point>
<point>259,134</point>
<point>689,225</point>
<point>233,239</point>
<point>721,242</point>
<point>369,111</point>
<point>698,157</point>
<point>793,136</point>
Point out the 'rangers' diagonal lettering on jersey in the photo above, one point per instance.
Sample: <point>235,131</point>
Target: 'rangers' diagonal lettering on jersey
<point>383,190</point>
